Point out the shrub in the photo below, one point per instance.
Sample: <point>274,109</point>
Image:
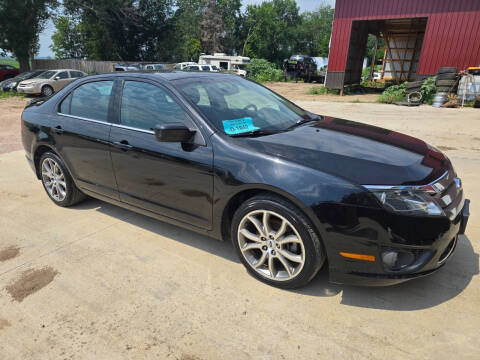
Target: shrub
<point>428,90</point>
<point>321,90</point>
<point>316,90</point>
<point>261,70</point>
<point>393,93</point>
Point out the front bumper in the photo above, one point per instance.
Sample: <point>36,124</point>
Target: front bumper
<point>28,90</point>
<point>429,256</point>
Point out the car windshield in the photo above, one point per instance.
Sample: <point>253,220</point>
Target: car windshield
<point>46,75</point>
<point>23,75</point>
<point>237,106</point>
<point>296,57</point>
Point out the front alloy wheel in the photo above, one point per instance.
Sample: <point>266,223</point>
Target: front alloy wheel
<point>271,245</point>
<point>276,242</point>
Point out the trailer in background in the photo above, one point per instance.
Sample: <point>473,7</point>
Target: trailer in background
<point>223,61</point>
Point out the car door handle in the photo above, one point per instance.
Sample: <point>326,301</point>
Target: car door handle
<point>123,145</point>
<point>58,130</point>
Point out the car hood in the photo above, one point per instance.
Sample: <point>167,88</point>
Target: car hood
<point>360,153</point>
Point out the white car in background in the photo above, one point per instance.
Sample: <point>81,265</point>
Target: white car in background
<point>209,68</point>
<point>158,67</point>
<point>127,67</point>
<point>183,65</point>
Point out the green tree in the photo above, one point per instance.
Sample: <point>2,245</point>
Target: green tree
<point>269,29</point>
<point>230,11</point>
<point>314,30</point>
<point>212,28</point>
<point>68,42</point>
<point>187,30</point>
<point>21,22</point>
<point>122,29</point>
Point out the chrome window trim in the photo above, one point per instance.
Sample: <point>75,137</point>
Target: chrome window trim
<point>133,128</point>
<point>85,119</point>
<point>106,123</point>
<point>405,187</point>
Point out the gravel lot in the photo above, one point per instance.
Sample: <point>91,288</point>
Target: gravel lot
<point>100,282</point>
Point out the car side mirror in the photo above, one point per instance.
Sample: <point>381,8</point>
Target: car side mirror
<point>57,78</point>
<point>173,132</point>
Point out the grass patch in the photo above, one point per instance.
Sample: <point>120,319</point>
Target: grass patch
<point>316,90</point>
<point>10,94</point>
<point>12,62</point>
<point>356,101</point>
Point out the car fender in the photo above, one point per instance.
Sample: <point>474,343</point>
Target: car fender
<point>238,170</point>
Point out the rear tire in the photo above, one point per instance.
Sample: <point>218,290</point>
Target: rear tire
<point>414,84</point>
<point>447,69</point>
<point>445,82</point>
<point>58,182</point>
<point>447,89</point>
<point>286,252</point>
<point>447,76</point>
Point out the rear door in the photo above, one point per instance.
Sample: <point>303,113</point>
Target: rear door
<point>61,80</point>
<point>171,179</point>
<point>82,133</point>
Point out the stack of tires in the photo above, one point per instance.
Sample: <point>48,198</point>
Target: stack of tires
<point>447,80</point>
<point>414,86</point>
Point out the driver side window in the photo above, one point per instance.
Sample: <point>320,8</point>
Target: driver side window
<point>145,105</point>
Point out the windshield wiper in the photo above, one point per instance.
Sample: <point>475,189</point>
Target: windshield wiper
<point>301,122</point>
<point>258,132</point>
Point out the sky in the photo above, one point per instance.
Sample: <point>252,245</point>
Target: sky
<point>46,41</point>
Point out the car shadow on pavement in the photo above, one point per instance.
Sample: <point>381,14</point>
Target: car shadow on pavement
<point>222,249</point>
<point>422,293</point>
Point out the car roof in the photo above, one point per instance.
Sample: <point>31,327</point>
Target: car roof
<point>164,75</point>
<point>63,70</point>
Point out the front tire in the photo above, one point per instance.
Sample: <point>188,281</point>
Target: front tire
<point>276,242</point>
<point>58,182</point>
<point>47,91</point>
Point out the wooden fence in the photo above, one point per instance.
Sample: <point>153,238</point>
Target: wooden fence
<point>88,66</point>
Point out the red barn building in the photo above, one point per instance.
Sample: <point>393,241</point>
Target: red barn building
<point>420,36</point>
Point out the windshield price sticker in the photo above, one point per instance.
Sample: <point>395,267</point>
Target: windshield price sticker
<point>238,126</point>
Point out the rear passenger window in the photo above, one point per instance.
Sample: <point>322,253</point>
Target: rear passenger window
<point>89,101</point>
<point>76,74</point>
<point>206,68</point>
<point>145,105</point>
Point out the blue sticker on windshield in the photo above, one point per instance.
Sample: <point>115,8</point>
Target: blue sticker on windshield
<point>238,126</point>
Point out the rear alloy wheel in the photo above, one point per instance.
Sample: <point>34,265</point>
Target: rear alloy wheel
<point>54,180</point>
<point>47,91</point>
<point>276,243</point>
<point>57,181</point>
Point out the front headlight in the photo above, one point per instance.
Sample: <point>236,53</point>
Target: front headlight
<point>408,202</point>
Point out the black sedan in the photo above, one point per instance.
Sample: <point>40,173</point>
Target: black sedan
<point>12,83</point>
<point>226,157</point>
